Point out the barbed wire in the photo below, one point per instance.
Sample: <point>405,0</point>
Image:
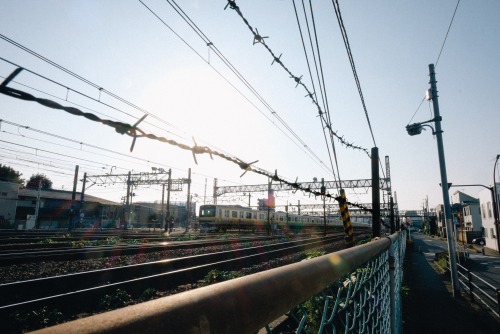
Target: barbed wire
<point>259,39</point>
<point>135,132</point>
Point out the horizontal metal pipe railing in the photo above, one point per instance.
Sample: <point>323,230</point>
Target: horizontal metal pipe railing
<point>242,305</point>
<point>470,284</point>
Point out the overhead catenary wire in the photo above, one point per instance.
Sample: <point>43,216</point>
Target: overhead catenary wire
<point>135,132</point>
<point>353,66</point>
<point>322,84</point>
<point>303,146</point>
<point>447,32</point>
<point>259,39</point>
<point>133,157</point>
<point>313,85</point>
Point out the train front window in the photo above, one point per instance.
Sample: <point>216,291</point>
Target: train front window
<point>207,211</point>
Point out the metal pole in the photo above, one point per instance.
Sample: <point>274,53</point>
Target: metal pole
<point>375,194</point>
<point>323,190</point>
<point>391,208</point>
<point>495,204</point>
<point>444,182</point>
<point>169,185</point>
<point>127,203</point>
<point>37,208</point>
<point>73,196</point>
<point>188,205</point>
<point>162,216</point>
<point>82,198</point>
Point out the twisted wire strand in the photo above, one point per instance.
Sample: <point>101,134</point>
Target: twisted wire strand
<point>298,80</point>
<point>135,132</point>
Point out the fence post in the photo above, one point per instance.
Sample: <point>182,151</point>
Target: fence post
<point>394,266</point>
<point>498,299</point>
<point>471,286</point>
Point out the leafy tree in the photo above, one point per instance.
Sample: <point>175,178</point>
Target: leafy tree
<point>10,175</point>
<point>35,180</point>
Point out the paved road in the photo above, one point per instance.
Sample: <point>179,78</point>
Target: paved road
<point>429,306</point>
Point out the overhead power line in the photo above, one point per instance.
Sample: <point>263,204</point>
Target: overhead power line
<point>135,132</point>
<point>353,66</point>
<point>447,32</point>
<point>303,146</point>
<point>259,39</point>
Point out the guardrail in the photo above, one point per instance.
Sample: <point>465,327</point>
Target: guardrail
<point>353,290</point>
<point>471,283</point>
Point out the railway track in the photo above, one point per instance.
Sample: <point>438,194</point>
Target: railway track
<point>81,292</point>
<point>10,257</point>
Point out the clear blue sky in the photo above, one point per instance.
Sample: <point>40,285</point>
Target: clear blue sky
<point>123,48</point>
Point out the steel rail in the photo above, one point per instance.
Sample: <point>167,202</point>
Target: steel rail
<point>167,275</point>
<point>71,254</point>
<point>242,305</point>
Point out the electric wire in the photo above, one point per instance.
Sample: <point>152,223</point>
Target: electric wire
<point>260,40</point>
<point>88,82</point>
<point>353,66</point>
<point>310,72</point>
<point>312,81</point>
<point>303,146</point>
<point>135,132</point>
<point>81,94</point>
<point>322,85</point>
<point>149,162</point>
<point>447,32</point>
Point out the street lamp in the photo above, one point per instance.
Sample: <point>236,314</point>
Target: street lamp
<point>415,129</point>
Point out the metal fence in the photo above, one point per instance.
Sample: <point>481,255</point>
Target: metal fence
<point>355,290</point>
<point>479,290</point>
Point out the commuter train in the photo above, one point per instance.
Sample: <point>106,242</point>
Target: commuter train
<point>237,217</point>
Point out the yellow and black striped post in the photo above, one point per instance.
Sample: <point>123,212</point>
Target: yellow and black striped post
<point>346,219</point>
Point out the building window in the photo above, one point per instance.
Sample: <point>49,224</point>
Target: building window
<point>234,214</point>
<point>486,233</point>
<point>489,209</point>
<point>4,193</point>
<point>492,232</point>
<point>484,211</point>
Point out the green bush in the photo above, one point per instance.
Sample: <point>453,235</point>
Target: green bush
<point>119,299</point>
<point>216,276</point>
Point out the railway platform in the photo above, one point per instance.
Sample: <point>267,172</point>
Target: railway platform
<point>429,306</point>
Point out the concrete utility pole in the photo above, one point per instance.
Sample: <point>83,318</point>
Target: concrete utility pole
<point>375,194</point>
<point>73,196</point>
<point>495,204</point>
<point>127,204</point>
<point>444,184</point>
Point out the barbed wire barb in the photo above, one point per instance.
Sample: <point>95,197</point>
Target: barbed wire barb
<point>134,131</point>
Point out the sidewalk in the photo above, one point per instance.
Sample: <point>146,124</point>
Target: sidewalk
<point>429,306</point>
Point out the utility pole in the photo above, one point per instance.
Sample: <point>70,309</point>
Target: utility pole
<point>73,196</point>
<point>127,203</point>
<point>188,205</point>
<point>82,199</point>
<point>162,216</point>
<point>495,204</point>
<point>169,185</point>
<point>444,184</point>
<point>37,208</point>
<point>375,194</point>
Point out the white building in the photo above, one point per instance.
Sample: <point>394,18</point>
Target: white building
<point>488,218</point>
<point>471,213</point>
